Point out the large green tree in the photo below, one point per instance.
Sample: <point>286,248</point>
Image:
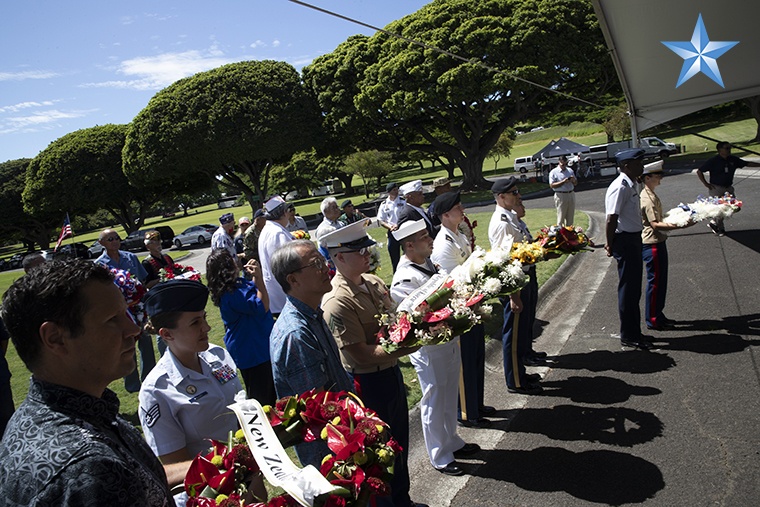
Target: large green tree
<point>459,108</point>
<point>81,172</point>
<point>369,165</point>
<point>232,124</point>
<point>17,224</point>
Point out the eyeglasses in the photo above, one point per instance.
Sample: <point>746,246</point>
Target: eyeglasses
<point>320,264</point>
<point>513,192</point>
<point>113,238</point>
<point>364,251</point>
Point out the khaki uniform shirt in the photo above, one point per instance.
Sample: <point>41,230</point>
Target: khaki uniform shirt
<point>350,313</point>
<point>651,211</point>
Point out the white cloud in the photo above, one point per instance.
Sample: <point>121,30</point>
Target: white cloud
<point>156,72</point>
<point>258,44</point>
<point>275,43</point>
<point>27,74</point>
<point>41,120</point>
<point>25,105</point>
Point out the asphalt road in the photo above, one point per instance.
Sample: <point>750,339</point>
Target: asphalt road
<point>675,426</point>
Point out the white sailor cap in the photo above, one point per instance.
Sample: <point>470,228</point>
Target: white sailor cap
<point>654,167</point>
<point>412,186</point>
<point>408,228</point>
<point>273,203</point>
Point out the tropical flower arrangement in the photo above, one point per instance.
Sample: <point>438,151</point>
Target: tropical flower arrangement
<point>222,476</point>
<point>490,274</point>
<point>435,313</point>
<point>133,292</point>
<point>178,271</point>
<point>359,466</point>
<point>299,234</point>
<point>527,252</point>
<point>563,239</point>
<point>703,208</point>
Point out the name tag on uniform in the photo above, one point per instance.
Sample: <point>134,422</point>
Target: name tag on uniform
<point>224,374</point>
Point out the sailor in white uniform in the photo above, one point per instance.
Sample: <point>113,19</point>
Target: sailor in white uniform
<point>437,366</point>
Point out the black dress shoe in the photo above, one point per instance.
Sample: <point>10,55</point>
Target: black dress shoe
<point>487,410</point>
<point>637,344</point>
<point>476,423</point>
<point>526,389</point>
<point>466,450</point>
<point>534,361</point>
<point>532,377</point>
<point>415,504</point>
<point>451,469</point>
<point>538,354</point>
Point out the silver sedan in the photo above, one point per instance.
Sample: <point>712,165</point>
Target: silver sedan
<point>200,234</point>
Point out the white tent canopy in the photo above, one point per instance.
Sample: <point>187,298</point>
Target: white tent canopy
<point>649,70</point>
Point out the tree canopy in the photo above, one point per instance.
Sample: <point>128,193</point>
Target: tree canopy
<point>459,108</point>
<point>17,223</point>
<point>231,123</point>
<point>81,172</point>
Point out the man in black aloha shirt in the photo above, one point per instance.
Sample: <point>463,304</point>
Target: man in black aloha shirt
<point>66,443</point>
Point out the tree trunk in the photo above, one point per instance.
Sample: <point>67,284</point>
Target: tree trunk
<point>346,179</point>
<point>472,171</point>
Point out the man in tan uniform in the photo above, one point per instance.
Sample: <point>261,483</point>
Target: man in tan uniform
<point>350,310</point>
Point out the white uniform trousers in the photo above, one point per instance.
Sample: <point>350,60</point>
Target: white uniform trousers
<point>438,370</point>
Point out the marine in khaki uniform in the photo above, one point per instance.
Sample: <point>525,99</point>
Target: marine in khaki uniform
<point>350,310</point>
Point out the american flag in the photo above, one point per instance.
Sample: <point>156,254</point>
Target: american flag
<point>66,232</point>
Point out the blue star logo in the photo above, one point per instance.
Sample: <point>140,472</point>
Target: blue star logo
<point>700,54</point>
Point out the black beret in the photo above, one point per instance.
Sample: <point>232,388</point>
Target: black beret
<point>391,186</point>
<point>503,185</point>
<point>444,202</point>
<point>345,203</point>
<point>176,296</point>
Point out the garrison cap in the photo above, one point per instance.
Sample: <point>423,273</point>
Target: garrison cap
<point>176,296</point>
<point>227,218</point>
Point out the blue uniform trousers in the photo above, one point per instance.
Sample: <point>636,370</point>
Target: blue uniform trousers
<point>656,261</point>
<point>514,350</point>
<point>626,249</point>
<point>471,390</point>
<point>147,362</point>
<point>384,392</point>
<point>394,250</point>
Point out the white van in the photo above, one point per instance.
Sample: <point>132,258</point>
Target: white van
<point>524,164</point>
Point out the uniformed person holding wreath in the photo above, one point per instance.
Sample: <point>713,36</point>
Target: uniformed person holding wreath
<point>520,307</point>
<point>350,311</point>
<point>450,249</point>
<point>437,366</point>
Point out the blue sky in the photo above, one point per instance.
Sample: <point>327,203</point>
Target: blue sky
<point>74,64</point>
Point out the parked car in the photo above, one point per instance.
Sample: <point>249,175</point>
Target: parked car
<point>199,234</point>
<point>4,265</point>
<point>15,260</point>
<point>136,239</point>
<point>73,251</point>
<point>524,164</point>
<point>95,250</point>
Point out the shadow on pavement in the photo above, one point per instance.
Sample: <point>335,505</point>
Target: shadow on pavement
<point>606,477</point>
<point>619,426</point>
<point>631,361</point>
<point>600,390</point>
<point>740,324</point>
<point>714,344</point>
<point>749,238</point>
